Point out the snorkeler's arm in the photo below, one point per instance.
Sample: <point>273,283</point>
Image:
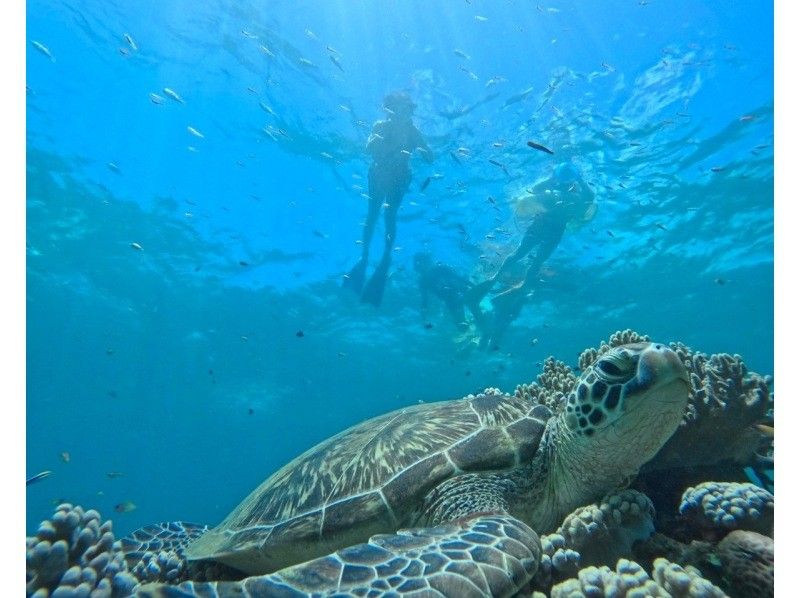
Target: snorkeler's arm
<point>376,138</point>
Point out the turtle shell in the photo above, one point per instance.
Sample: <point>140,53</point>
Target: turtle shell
<point>370,479</point>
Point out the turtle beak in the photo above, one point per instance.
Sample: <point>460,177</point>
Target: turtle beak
<point>659,362</point>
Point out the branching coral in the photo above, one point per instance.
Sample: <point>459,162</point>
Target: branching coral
<point>729,506</point>
<point>630,579</point>
<point>551,386</point>
<point>725,402</point>
<point>604,532</point>
<point>73,555</point>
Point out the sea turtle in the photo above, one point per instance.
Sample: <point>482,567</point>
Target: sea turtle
<point>473,476</point>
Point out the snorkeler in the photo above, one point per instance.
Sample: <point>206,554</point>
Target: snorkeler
<point>563,199</point>
<point>445,283</point>
<point>391,144</point>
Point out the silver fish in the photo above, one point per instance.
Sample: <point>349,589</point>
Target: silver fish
<point>38,477</point>
<point>173,94</point>
<point>43,49</point>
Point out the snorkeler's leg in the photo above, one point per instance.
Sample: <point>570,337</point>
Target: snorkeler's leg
<point>456,310</point>
<point>478,291</point>
<point>507,306</point>
<point>355,278</point>
<point>373,291</point>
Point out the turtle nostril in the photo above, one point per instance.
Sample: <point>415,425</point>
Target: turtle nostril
<point>658,347</point>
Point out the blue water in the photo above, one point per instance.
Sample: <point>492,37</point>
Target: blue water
<point>180,366</point>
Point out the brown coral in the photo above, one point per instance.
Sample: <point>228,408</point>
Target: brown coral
<point>725,402</point>
<point>748,563</point>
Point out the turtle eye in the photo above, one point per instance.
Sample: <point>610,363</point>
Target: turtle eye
<point>616,367</point>
<point>609,367</point>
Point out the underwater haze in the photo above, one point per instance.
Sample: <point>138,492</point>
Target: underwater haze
<point>197,184</point>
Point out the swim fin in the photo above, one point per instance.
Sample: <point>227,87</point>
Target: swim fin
<point>475,293</point>
<point>373,292</point>
<point>354,279</point>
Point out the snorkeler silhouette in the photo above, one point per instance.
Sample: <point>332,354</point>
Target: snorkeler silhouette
<point>444,282</point>
<point>561,200</point>
<point>391,144</point>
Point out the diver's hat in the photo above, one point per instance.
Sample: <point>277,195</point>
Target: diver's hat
<point>399,102</point>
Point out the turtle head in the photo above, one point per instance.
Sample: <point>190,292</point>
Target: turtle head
<point>628,402</point>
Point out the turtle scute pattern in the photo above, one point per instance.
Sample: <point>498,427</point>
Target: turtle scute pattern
<point>492,555</point>
<point>379,469</point>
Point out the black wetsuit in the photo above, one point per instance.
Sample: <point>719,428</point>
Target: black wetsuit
<point>446,284</point>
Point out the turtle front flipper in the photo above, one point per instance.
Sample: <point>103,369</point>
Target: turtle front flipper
<point>484,555</point>
<point>156,552</point>
<point>172,535</point>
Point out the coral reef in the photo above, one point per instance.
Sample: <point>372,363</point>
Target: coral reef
<point>621,337</point>
<point>551,386</point>
<point>73,555</point>
<point>728,506</point>
<point>630,579</point>
<point>558,562</point>
<point>748,563</point>
<point>713,541</point>
<point>605,532</point>
<point>726,401</point>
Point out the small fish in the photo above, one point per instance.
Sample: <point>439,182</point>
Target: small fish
<point>534,341</point>
<point>113,167</point>
<point>137,247</point>
<point>746,117</point>
<point>125,507</point>
<point>131,42</point>
<point>766,430</point>
<point>326,155</point>
<point>43,49</point>
<point>496,163</point>
<point>299,334</point>
<point>495,81</point>
<point>319,234</point>
<point>425,184</point>
<point>720,281</point>
<point>717,168</point>
<point>461,54</point>
<point>114,474</point>
<point>156,99</point>
<point>455,157</point>
<point>195,132</point>
<point>332,50</point>
<point>610,234</point>
<point>243,263</point>
<point>38,477</point>
<point>250,411</point>
<point>427,325</point>
<point>335,61</point>
<point>249,35</point>
<point>661,226</point>
<point>266,50</point>
<point>481,18</point>
<point>305,62</point>
<point>518,97</point>
<point>174,95</point>
<point>312,35</point>
<point>540,147</point>
<point>65,457</point>
<point>267,109</point>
